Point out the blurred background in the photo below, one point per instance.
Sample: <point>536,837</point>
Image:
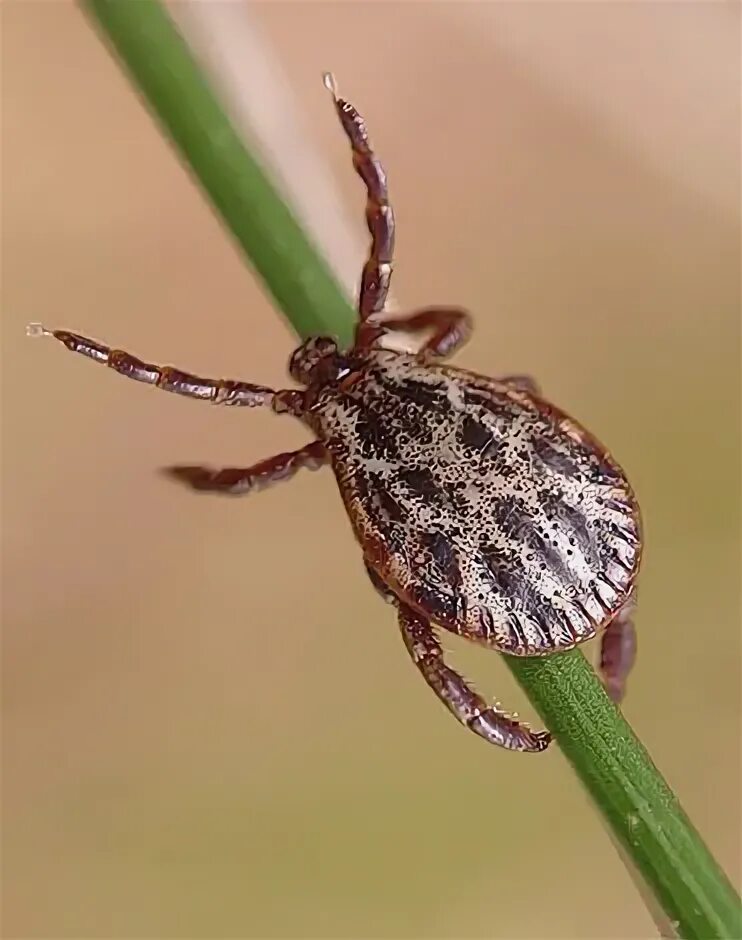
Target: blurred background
<point>211,727</point>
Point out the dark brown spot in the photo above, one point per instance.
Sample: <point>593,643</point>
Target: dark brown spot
<point>378,436</point>
<point>486,621</point>
<point>583,610</point>
<point>599,598</point>
<point>626,534</point>
<point>573,521</point>
<point>475,435</point>
<point>427,395</point>
<point>435,601</point>
<point>493,404</point>
<point>512,518</point>
<point>516,631</point>
<point>553,459</point>
<point>442,551</point>
<point>613,557</point>
<point>505,574</point>
<point>562,617</point>
<point>618,506</point>
<point>609,581</point>
<point>606,473</point>
<point>419,479</point>
<point>389,505</point>
<point>539,622</point>
<point>556,563</point>
<point>361,485</point>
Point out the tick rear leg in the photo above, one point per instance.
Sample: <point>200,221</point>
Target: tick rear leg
<point>236,481</point>
<point>451,328</point>
<point>488,721</point>
<point>618,652</point>
<point>216,391</point>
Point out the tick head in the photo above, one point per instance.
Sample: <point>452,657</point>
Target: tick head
<point>316,360</point>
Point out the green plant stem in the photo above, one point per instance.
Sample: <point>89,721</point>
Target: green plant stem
<point>635,801</point>
<point>639,806</point>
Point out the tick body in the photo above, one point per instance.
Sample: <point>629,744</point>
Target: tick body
<point>479,507</point>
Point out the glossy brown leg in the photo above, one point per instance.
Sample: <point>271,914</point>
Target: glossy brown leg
<point>488,721</point>
<point>216,391</point>
<point>377,271</point>
<point>236,481</point>
<point>618,653</point>
<point>451,328</point>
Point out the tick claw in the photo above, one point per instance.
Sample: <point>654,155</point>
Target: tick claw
<point>193,476</point>
<point>37,329</point>
<point>328,80</point>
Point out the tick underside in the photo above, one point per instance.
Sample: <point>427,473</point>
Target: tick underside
<point>479,507</point>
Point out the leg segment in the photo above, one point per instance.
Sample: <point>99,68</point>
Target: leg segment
<point>524,382</point>
<point>488,721</point>
<point>235,481</point>
<point>451,327</point>
<point>384,592</point>
<point>377,271</point>
<point>618,652</point>
<point>217,391</point>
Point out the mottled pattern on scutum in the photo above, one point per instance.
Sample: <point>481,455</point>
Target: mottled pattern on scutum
<point>489,511</point>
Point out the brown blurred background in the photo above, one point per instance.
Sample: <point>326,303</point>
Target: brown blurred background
<point>211,727</point>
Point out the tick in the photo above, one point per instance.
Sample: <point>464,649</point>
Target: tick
<point>479,506</point>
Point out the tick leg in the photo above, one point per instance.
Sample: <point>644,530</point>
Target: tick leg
<point>450,326</point>
<point>236,481</point>
<point>216,391</point>
<point>377,272</point>
<point>618,652</point>
<point>525,382</point>
<point>488,721</point>
<point>384,591</point>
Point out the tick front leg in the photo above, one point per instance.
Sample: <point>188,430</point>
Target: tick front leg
<point>216,391</point>
<point>489,722</point>
<point>377,271</point>
<point>236,481</point>
<point>451,327</point>
<point>618,652</point>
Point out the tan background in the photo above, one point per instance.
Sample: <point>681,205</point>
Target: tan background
<point>211,727</point>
